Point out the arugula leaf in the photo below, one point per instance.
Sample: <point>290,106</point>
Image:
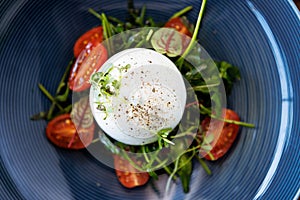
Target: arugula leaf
<point>185,172</point>
<point>229,74</point>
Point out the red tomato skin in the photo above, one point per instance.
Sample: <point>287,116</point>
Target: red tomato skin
<point>88,62</point>
<point>179,25</point>
<point>60,131</point>
<point>92,36</point>
<point>227,137</point>
<point>128,176</point>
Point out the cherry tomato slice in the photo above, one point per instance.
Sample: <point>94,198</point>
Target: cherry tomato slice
<point>128,176</point>
<point>85,65</point>
<point>61,131</point>
<point>228,135</point>
<point>92,36</point>
<point>179,25</point>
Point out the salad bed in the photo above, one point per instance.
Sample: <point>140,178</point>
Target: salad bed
<point>71,124</point>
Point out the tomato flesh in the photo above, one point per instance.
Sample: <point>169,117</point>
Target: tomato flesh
<point>127,175</point>
<point>179,25</point>
<point>62,132</point>
<point>226,138</point>
<point>88,62</point>
<point>92,36</point>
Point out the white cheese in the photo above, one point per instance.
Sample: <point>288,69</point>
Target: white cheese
<point>152,96</point>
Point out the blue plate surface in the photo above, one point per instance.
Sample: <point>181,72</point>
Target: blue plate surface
<point>262,38</point>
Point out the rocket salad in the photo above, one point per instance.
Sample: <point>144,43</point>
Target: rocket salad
<point>72,126</point>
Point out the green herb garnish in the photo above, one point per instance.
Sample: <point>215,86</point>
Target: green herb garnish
<point>107,86</point>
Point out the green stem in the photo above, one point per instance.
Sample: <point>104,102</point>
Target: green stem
<point>201,87</point>
<point>182,12</point>
<point>179,62</point>
<point>176,168</point>
<point>208,112</point>
<point>149,35</point>
<point>142,16</point>
<point>95,140</point>
<point>93,12</point>
<point>68,108</point>
<point>172,175</point>
<point>189,131</point>
<point>107,32</point>
<point>192,149</point>
<point>153,157</point>
<point>116,20</point>
<point>63,78</point>
<point>204,165</point>
<point>45,91</point>
<point>188,160</point>
<point>107,25</point>
<point>63,97</point>
<point>210,156</point>
<point>125,155</point>
<point>166,168</point>
<point>140,44</point>
<point>50,111</point>
<point>159,165</point>
<point>183,134</point>
<point>60,86</point>
<point>145,153</point>
<point>249,125</point>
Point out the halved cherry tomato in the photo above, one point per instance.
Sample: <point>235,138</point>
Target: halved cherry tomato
<point>92,36</point>
<point>179,25</point>
<point>227,136</point>
<point>61,131</point>
<point>128,176</point>
<point>85,65</point>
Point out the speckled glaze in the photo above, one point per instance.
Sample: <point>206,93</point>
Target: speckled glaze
<point>260,37</point>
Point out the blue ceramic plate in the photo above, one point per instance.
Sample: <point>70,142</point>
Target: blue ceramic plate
<point>261,37</point>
